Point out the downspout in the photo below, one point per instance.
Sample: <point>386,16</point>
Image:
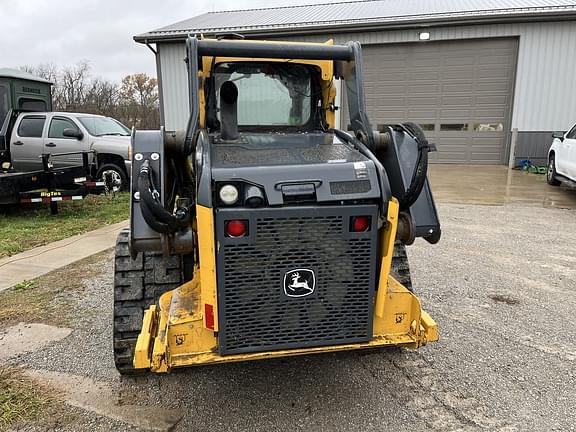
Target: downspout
<point>159,80</point>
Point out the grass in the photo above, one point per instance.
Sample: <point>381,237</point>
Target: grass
<point>26,285</point>
<point>49,299</point>
<point>26,227</point>
<point>21,399</point>
<point>36,305</point>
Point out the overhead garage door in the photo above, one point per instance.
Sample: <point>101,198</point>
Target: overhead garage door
<point>460,92</point>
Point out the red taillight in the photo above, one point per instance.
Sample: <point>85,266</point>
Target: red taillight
<point>236,228</point>
<point>360,223</point>
<point>209,316</point>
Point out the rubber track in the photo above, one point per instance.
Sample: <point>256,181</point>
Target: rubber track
<point>400,265</point>
<point>137,285</point>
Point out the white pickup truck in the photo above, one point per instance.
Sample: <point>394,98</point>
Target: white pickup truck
<point>38,133</point>
<point>562,158</point>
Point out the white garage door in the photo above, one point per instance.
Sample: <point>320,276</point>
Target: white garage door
<point>460,92</point>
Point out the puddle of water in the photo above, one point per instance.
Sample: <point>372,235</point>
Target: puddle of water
<point>79,391</point>
<point>100,398</point>
<point>496,185</point>
<point>24,338</point>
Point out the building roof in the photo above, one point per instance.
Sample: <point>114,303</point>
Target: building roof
<point>368,14</point>
<point>15,73</point>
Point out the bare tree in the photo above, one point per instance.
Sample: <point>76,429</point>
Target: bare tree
<point>102,97</point>
<point>74,81</point>
<point>48,71</point>
<point>134,102</point>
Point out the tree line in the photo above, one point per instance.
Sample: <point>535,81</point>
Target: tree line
<point>133,101</point>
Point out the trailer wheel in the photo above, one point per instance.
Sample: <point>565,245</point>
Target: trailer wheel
<point>137,285</point>
<point>401,266</point>
<point>116,175</point>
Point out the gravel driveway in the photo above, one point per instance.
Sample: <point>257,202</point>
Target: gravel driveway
<point>501,284</point>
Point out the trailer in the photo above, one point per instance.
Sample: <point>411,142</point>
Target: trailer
<point>23,92</point>
<point>49,186</point>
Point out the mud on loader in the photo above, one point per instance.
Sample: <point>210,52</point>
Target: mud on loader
<point>261,230</point>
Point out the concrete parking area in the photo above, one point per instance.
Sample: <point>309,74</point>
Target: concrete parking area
<point>496,185</point>
<point>501,284</point>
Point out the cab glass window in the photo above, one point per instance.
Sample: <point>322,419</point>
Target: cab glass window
<point>572,133</point>
<point>269,94</point>
<point>4,102</point>
<point>100,126</point>
<point>32,105</point>
<point>57,126</point>
<point>31,127</point>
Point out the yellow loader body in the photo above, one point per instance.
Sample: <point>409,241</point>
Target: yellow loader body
<point>178,332</point>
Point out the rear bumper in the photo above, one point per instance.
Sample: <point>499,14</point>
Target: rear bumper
<point>428,334</point>
<point>173,335</point>
<point>212,358</point>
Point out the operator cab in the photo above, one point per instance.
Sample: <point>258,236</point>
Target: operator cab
<point>267,123</point>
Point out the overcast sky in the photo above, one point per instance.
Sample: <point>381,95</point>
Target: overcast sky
<point>65,32</point>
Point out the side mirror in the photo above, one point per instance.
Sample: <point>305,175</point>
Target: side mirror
<point>72,133</point>
<point>559,135</point>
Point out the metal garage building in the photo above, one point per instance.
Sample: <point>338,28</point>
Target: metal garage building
<point>469,71</point>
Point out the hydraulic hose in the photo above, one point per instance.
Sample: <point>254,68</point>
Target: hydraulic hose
<point>421,168</point>
<point>153,212</point>
<point>385,191</point>
<point>153,223</point>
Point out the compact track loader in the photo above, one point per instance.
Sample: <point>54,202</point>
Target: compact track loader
<point>262,230</point>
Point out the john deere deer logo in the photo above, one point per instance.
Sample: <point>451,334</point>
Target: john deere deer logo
<point>299,282</point>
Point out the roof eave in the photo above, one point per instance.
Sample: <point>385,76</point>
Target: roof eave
<point>36,80</point>
<point>372,26</point>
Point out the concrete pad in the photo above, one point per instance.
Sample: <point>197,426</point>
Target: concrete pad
<point>496,185</point>
<point>41,260</point>
<point>23,338</point>
<point>100,398</point>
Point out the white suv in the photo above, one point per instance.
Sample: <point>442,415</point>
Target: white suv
<point>562,157</point>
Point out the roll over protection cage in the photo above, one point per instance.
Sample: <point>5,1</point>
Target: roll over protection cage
<point>349,67</point>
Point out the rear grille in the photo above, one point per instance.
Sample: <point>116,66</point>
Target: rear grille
<point>255,312</point>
